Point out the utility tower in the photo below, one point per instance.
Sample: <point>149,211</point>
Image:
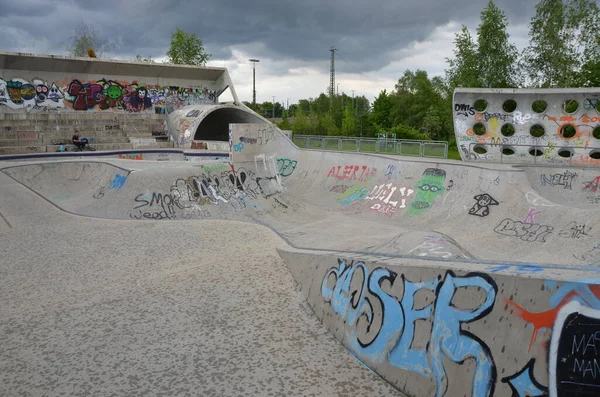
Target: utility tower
<point>332,73</point>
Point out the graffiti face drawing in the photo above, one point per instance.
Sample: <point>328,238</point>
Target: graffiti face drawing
<point>428,188</point>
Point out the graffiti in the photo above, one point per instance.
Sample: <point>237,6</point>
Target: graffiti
<point>530,218</point>
<point>99,95</point>
<point>352,196</point>
<point>587,294</point>
<point>428,188</point>
<point>590,103</point>
<point>251,141</point>
<point>523,383</point>
<point>162,206</point>
<point>193,113</point>
<point>27,135</point>
<point>565,179</point>
<point>382,326</point>
<point>115,127</point>
<point>342,189</point>
<point>525,231</point>
<point>592,186</point>
<point>574,367</point>
<point>575,230</point>
<point>391,170</point>
<point>482,205</point>
<point>349,172</point>
<point>118,181</point>
<point>591,257</point>
<point>464,109</point>
<point>199,145</point>
<point>131,156</point>
<point>593,199</point>
<point>433,246</point>
<point>549,151</point>
<point>485,117</point>
<point>60,141</point>
<point>238,147</point>
<point>384,193</point>
<point>286,167</point>
<point>515,269</point>
<point>22,94</point>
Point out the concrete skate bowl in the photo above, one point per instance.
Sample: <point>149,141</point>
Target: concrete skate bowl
<point>445,278</point>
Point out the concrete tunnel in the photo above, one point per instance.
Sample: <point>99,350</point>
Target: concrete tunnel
<point>215,125</point>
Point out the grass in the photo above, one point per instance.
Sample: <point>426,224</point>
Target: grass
<point>407,148</point>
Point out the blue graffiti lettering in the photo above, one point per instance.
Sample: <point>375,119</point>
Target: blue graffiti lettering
<point>355,294</point>
<point>118,181</point>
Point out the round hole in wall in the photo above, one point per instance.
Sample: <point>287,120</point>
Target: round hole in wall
<point>567,131</point>
<point>566,152</point>
<point>570,106</point>
<point>480,105</point>
<point>535,151</point>
<point>508,150</point>
<point>539,106</point>
<point>596,132</point>
<point>480,149</point>
<point>509,105</point>
<point>537,131</point>
<point>507,130</point>
<point>479,129</point>
<point>595,154</point>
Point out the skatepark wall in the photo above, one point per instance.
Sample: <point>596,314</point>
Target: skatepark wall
<point>540,126</point>
<point>459,329</point>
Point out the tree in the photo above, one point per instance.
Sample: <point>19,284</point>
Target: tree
<point>564,43</point>
<point>87,42</point>
<point>187,49</point>
<point>496,56</point>
<point>463,70</point>
<point>382,107</point>
<point>349,125</point>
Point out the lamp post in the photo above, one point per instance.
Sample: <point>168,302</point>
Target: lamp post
<point>254,81</point>
<point>273,107</point>
<point>288,107</point>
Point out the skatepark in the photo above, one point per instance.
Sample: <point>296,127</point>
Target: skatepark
<point>254,267</point>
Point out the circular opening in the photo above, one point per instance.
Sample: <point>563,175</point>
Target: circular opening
<point>565,152</point>
<point>537,131</point>
<point>479,149</point>
<point>567,131</point>
<point>480,105</point>
<point>595,154</point>
<point>507,130</point>
<point>479,129</point>
<point>570,106</point>
<point>539,106</point>
<point>534,151</point>
<point>508,151</point>
<point>596,132</point>
<point>509,106</point>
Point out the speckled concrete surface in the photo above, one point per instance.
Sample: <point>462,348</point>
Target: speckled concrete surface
<point>94,307</point>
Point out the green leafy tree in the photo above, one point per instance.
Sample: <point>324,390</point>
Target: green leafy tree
<point>564,48</point>
<point>496,56</point>
<point>349,122</point>
<point>139,58</point>
<point>463,70</point>
<point>382,107</point>
<point>187,49</point>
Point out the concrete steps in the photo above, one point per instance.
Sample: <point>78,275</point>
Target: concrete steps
<point>21,132</point>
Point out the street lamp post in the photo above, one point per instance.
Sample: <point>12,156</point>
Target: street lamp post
<point>273,103</point>
<point>288,107</point>
<point>254,81</point>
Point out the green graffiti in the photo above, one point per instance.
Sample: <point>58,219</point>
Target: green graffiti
<point>428,188</point>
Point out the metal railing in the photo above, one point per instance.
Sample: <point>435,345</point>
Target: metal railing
<point>534,154</point>
<point>404,147</point>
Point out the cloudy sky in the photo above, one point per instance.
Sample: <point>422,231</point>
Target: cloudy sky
<point>376,40</point>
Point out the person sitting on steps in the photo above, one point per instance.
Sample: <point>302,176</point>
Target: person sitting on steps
<point>80,143</point>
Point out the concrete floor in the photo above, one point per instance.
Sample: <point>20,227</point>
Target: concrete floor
<point>97,307</point>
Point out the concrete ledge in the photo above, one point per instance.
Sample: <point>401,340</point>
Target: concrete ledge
<point>22,149</point>
<point>453,328</point>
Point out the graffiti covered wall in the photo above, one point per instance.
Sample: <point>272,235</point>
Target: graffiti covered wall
<point>441,332</point>
<point>99,95</point>
<point>550,126</point>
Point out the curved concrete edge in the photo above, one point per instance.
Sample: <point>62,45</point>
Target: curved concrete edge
<point>458,329</point>
<point>134,154</point>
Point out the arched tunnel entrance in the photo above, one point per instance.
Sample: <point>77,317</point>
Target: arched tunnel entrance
<point>215,126</point>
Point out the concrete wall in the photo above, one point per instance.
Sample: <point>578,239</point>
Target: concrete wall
<point>42,83</point>
<point>478,330</point>
<point>571,135</point>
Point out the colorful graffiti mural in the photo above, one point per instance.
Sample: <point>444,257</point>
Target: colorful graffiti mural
<point>99,95</point>
<point>428,188</point>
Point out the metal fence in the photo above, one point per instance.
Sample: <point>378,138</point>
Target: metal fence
<point>403,147</point>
